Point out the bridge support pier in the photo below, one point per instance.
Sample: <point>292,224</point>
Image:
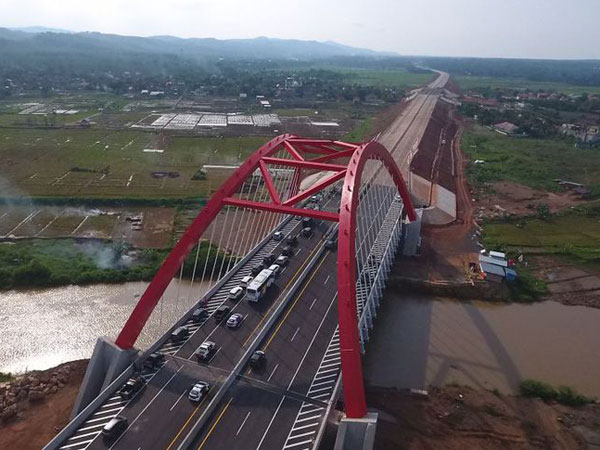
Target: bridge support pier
<point>107,362</point>
<point>356,434</point>
<point>412,238</point>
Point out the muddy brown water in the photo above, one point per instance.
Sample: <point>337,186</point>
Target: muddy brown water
<point>42,328</point>
<point>420,341</point>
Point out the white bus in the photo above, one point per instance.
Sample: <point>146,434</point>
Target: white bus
<point>258,287</point>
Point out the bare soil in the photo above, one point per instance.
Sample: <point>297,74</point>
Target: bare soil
<point>37,423</point>
<point>461,418</point>
<point>506,197</point>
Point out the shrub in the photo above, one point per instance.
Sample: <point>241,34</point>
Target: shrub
<point>563,394</point>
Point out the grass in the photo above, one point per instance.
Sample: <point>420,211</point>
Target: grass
<point>532,162</point>
<point>6,376</point>
<point>42,263</point>
<point>359,133</point>
<point>31,161</point>
<point>562,394</point>
<point>386,78</point>
<point>474,82</point>
<point>573,237</point>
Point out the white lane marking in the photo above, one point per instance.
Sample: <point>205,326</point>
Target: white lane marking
<point>175,404</point>
<point>323,382</point>
<point>298,252</point>
<point>93,433</point>
<point>298,443</point>
<point>327,279</point>
<point>295,333</point>
<point>308,418</point>
<point>145,408</point>
<point>305,426</point>
<point>303,434</point>
<point>77,444</point>
<point>313,303</point>
<point>243,423</point>
<point>312,391</point>
<point>270,423</point>
<point>272,373</point>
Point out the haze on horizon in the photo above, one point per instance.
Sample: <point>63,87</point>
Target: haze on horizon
<point>481,28</point>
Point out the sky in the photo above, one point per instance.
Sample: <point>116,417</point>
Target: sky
<point>487,28</point>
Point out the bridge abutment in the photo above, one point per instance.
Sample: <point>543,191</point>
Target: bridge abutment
<point>107,362</point>
<point>356,434</point>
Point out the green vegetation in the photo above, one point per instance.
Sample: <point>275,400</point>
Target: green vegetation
<point>533,162</point>
<point>111,164</point>
<point>41,263</point>
<point>360,133</point>
<point>519,84</point>
<point>575,236</point>
<point>527,287</point>
<point>397,78</point>
<point>563,394</point>
<point>5,376</point>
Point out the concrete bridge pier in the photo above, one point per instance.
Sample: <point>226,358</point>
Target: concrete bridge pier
<point>356,434</point>
<point>107,362</point>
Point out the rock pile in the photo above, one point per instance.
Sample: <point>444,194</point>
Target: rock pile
<point>17,394</point>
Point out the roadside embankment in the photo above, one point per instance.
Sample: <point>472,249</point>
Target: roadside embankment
<point>36,405</point>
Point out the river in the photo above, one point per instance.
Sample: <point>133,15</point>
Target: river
<point>43,328</point>
<point>419,342</point>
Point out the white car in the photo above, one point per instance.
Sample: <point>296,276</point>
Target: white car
<point>275,269</point>
<point>278,236</point>
<point>198,391</point>
<point>205,351</point>
<point>246,281</point>
<point>282,260</point>
<point>236,293</point>
<point>235,320</point>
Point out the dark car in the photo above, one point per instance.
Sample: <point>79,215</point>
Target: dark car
<point>180,334</point>
<point>257,269</point>
<point>307,232</point>
<point>292,241</point>
<point>258,359</point>
<point>287,251</point>
<point>307,222</point>
<point>199,314</point>
<point>331,243</point>
<point>154,360</point>
<point>132,387</point>
<point>114,428</point>
<point>222,313</point>
<point>268,260</point>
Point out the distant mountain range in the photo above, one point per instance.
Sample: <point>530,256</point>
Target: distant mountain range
<point>54,41</point>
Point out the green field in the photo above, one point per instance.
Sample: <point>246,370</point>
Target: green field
<point>111,164</point>
<point>473,82</point>
<point>532,162</point>
<point>386,78</point>
<point>576,236</point>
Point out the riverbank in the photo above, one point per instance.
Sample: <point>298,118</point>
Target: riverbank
<point>35,406</point>
<point>459,417</point>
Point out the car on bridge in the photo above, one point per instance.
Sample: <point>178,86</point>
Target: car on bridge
<point>268,260</point>
<point>222,313</point>
<point>114,428</point>
<point>235,320</point>
<point>292,241</point>
<point>205,351</point>
<point>257,269</point>
<point>282,260</point>
<point>307,232</point>
<point>258,360</point>
<point>275,269</point>
<point>180,334</point>
<point>246,281</point>
<point>278,236</point>
<point>236,293</point>
<point>198,391</point>
<point>199,314</point>
<point>287,251</point>
<point>132,387</point>
<point>154,360</point>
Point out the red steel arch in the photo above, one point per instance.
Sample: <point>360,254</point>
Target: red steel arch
<point>352,376</point>
<point>299,149</point>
